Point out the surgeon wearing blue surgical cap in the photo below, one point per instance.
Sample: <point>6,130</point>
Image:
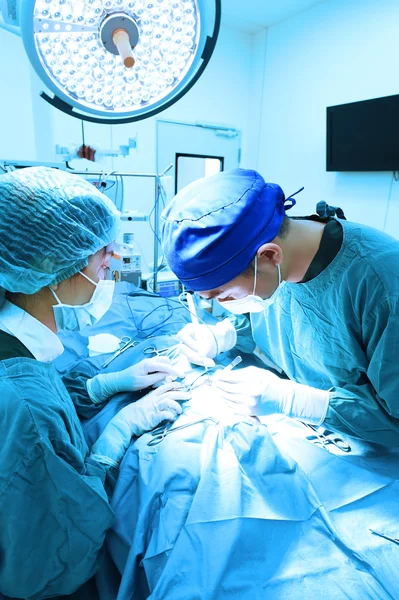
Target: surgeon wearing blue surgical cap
<point>322,295</point>
<point>56,238</point>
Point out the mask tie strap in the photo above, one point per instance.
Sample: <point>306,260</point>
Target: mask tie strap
<point>291,200</point>
<point>88,278</point>
<point>55,295</point>
<point>256,272</point>
<point>279,275</point>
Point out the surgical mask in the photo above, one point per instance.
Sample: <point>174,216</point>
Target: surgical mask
<point>75,318</point>
<point>253,303</point>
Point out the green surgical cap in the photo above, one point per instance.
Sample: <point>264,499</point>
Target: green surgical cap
<point>50,223</point>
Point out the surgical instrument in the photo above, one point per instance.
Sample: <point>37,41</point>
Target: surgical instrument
<point>187,387</point>
<point>150,350</point>
<point>236,361</point>
<point>326,437</point>
<point>126,344</point>
<point>195,320</point>
<point>191,307</point>
<point>387,537</point>
<point>184,386</point>
<point>153,351</point>
<point>162,431</point>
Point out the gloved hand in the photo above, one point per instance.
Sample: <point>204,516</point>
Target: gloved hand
<point>254,391</point>
<point>201,343</point>
<point>138,377</point>
<point>135,419</point>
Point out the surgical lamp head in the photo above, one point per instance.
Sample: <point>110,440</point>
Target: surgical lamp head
<point>115,61</point>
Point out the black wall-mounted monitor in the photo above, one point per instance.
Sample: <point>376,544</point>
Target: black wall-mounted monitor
<point>364,136</point>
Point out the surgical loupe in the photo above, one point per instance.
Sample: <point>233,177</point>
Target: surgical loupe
<point>115,61</point>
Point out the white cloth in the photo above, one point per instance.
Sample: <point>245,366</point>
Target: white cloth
<point>36,337</point>
<point>103,343</point>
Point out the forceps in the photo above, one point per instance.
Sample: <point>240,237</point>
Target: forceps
<point>152,351</point>
<point>126,343</point>
<point>194,319</point>
<point>159,433</point>
<point>327,437</point>
<point>188,386</point>
<point>387,537</point>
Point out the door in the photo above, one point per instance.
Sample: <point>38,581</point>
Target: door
<point>195,151</point>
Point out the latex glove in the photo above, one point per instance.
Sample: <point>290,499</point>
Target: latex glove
<point>254,391</point>
<point>201,343</point>
<point>135,419</point>
<point>138,377</point>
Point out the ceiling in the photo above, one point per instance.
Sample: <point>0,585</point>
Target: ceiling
<point>253,15</point>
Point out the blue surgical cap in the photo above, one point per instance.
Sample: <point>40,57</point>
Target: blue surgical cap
<point>213,228</point>
<point>50,223</point>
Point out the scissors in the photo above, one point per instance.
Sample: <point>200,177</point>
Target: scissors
<point>126,343</point>
<point>326,437</point>
<point>187,386</point>
<point>387,537</point>
<point>159,433</point>
<point>152,351</point>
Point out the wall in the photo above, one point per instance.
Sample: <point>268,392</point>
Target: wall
<point>31,128</point>
<point>17,134</point>
<point>220,96</point>
<point>337,52</point>
<point>274,87</point>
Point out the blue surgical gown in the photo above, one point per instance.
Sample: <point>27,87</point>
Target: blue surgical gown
<point>54,510</point>
<point>340,332</point>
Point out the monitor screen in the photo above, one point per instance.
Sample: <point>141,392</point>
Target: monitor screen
<point>364,136</point>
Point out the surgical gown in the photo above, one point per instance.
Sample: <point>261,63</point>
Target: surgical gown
<point>54,510</point>
<point>340,332</point>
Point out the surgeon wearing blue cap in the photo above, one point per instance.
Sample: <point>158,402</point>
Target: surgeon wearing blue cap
<point>322,294</point>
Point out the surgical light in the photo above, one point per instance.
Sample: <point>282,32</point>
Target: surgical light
<point>115,61</point>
